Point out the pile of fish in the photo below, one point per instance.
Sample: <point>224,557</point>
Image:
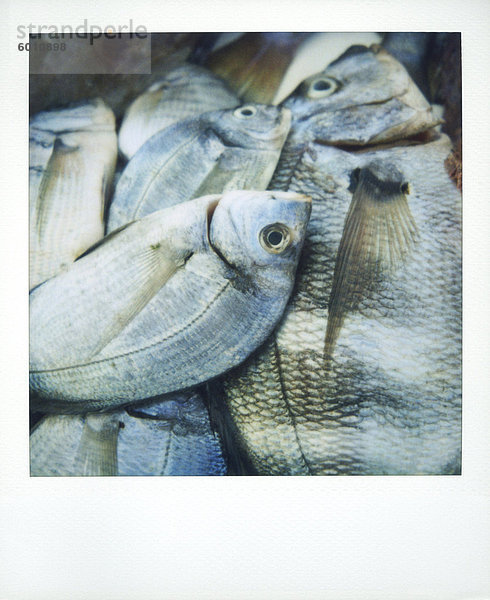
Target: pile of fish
<point>252,288</point>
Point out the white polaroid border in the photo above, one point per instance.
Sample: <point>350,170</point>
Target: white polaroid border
<point>252,538</point>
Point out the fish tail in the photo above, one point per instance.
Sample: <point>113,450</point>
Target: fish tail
<point>379,232</point>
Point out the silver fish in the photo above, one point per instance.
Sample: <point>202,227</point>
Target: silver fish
<point>219,151</point>
<point>187,91</point>
<point>170,436</point>
<point>362,375</point>
<point>72,158</point>
<point>167,302</point>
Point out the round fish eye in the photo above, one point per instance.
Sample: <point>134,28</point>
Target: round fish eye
<point>275,238</point>
<point>321,87</point>
<point>405,188</point>
<point>245,112</point>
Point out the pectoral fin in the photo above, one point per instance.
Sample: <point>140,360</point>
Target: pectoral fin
<point>97,450</point>
<point>149,271</point>
<point>379,232</point>
<point>59,177</point>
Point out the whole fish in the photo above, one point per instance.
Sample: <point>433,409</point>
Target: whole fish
<point>72,155</point>
<point>170,436</point>
<point>362,375</point>
<point>187,91</point>
<point>219,151</point>
<point>167,302</point>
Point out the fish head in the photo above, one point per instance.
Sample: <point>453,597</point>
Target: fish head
<point>260,236</point>
<point>254,126</point>
<point>363,97</point>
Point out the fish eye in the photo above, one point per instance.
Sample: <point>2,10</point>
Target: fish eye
<point>405,188</point>
<point>275,238</point>
<point>321,87</point>
<point>245,112</point>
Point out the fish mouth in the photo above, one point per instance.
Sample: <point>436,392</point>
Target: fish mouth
<point>416,139</point>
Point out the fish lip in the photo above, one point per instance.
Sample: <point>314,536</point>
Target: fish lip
<point>364,141</point>
<point>320,110</point>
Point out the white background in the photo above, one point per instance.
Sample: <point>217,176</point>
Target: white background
<point>325,537</point>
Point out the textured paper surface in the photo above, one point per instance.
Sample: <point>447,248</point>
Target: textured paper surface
<point>329,538</point>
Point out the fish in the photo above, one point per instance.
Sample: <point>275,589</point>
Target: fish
<point>72,156</point>
<point>187,91</point>
<point>362,375</point>
<point>219,151</point>
<point>166,302</point>
<point>169,436</point>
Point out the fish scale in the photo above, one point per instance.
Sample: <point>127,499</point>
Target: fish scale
<point>396,369</point>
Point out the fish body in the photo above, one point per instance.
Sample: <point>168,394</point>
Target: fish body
<point>187,91</point>
<point>219,151</point>
<point>72,158</point>
<point>380,393</point>
<point>170,436</point>
<point>167,302</point>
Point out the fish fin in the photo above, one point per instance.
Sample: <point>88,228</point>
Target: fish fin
<point>97,450</point>
<point>63,160</point>
<point>379,232</point>
<point>151,269</point>
<point>170,149</point>
<point>255,64</point>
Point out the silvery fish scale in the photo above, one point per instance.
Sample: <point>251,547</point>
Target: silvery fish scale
<point>390,402</point>
<point>388,399</point>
